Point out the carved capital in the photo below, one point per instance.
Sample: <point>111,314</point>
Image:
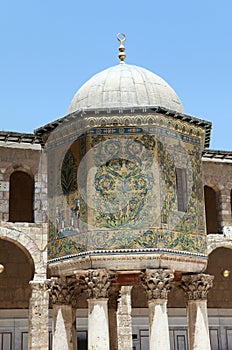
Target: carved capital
<point>157,283</point>
<point>97,282</point>
<point>63,290</point>
<point>196,287</point>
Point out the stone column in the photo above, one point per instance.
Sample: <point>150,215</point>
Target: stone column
<point>196,288</point>
<point>63,295</point>
<point>38,316</point>
<point>97,283</point>
<point>157,285</point>
<point>124,320</point>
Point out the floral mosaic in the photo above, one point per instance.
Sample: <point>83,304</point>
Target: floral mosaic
<point>123,183</point>
<point>133,190</point>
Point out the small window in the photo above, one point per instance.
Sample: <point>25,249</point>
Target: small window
<point>21,197</point>
<point>181,184</point>
<point>211,210</point>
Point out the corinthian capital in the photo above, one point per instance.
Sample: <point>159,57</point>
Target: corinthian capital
<point>157,283</point>
<point>97,282</point>
<point>62,290</point>
<point>196,287</point>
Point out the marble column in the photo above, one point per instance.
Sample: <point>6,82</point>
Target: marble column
<point>124,320</point>
<point>97,283</point>
<point>38,316</point>
<point>196,288</point>
<point>157,285</point>
<point>63,295</point>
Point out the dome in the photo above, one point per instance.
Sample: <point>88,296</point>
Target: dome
<point>124,86</point>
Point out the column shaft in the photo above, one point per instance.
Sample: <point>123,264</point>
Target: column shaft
<point>196,288</point>
<point>158,325</point>
<point>198,329</point>
<point>157,284</point>
<point>124,321</point>
<point>38,317</point>
<point>98,324</point>
<point>64,293</point>
<point>97,283</point>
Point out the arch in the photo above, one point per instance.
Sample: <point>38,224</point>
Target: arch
<point>218,243</point>
<point>211,209</point>
<point>21,197</point>
<point>220,295</point>
<point>18,271</point>
<point>26,243</point>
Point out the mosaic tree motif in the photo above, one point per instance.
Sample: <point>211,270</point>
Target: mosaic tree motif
<point>123,181</point>
<point>67,214</point>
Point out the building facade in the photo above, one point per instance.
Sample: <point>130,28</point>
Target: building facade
<point>116,224</point>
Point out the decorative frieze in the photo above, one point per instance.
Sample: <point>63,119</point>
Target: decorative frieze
<point>196,287</point>
<point>63,290</point>
<point>157,283</point>
<point>97,282</point>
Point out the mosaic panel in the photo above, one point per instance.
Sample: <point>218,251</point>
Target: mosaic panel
<point>127,198</point>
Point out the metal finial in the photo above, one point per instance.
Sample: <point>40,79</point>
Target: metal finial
<point>121,38</point>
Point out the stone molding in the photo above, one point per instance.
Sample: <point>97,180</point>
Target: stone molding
<point>196,287</point>
<point>63,291</point>
<point>97,282</point>
<point>157,283</point>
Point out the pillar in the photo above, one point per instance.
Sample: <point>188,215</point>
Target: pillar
<point>196,288</point>
<point>112,310</point>
<point>157,285</point>
<point>38,316</point>
<point>97,283</point>
<point>63,295</point>
<point>124,320</point>
<point>224,208</point>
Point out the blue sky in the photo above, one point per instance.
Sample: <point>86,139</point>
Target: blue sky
<point>50,48</point>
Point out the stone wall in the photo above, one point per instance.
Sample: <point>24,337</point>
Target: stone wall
<point>30,159</point>
<point>218,175</point>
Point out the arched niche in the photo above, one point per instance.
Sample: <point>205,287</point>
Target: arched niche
<point>211,210</point>
<point>21,197</point>
<point>220,295</point>
<point>14,280</point>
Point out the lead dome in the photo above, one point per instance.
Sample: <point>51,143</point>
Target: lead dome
<point>124,86</point>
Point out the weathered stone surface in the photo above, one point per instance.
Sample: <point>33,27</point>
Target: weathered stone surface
<point>97,282</point>
<point>157,283</point>
<point>63,291</point>
<point>38,316</point>
<point>124,319</point>
<point>196,287</point>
